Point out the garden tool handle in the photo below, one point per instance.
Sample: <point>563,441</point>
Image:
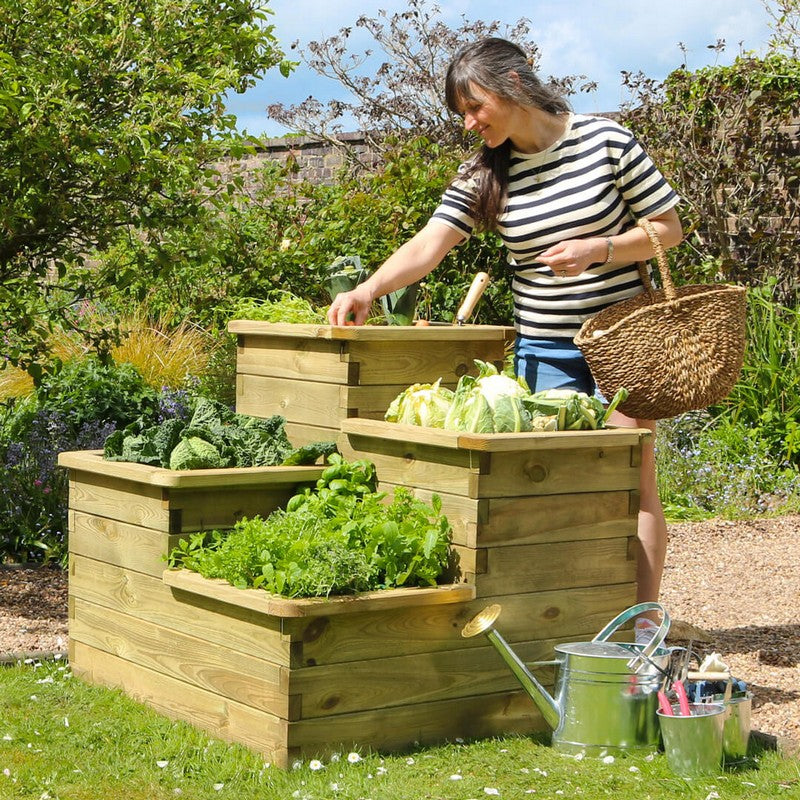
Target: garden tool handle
<point>708,676</point>
<point>476,289</point>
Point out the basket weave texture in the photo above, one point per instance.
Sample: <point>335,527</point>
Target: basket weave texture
<point>673,349</point>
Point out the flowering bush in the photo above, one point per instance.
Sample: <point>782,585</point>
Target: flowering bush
<point>711,467</point>
<point>77,409</point>
<point>33,489</point>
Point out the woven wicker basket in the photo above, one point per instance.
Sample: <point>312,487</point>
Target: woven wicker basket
<point>673,349</point>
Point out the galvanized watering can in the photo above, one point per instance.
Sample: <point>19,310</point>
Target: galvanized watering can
<point>606,692</point>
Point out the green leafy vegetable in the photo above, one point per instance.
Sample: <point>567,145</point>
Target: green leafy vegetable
<point>338,538</point>
<point>278,306</point>
<point>421,404</point>
<point>215,436</point>
<point>490,403</point>
<point>568,410</point>
<point>497,402</point>
<point>195,453</point>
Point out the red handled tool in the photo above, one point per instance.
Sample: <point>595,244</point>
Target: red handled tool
<point>683,700</point>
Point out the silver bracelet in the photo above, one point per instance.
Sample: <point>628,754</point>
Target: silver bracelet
<point>610,246</point>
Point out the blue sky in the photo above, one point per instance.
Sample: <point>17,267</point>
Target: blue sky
<point>596,38</point>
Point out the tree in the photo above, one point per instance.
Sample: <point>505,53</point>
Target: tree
<point>397,87</point>
<point>725,136</point>
<point>111,115</point>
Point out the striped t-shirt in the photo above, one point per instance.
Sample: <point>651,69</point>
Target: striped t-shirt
<point>595,180</point>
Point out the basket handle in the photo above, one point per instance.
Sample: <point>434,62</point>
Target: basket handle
<point>661,259</point>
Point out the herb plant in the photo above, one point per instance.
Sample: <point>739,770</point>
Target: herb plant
<point>340,537</point>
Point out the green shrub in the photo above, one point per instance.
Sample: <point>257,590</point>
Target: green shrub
<point>766,399</point>
<point>286,232</point>
<point>76,408</point>
<point>714,467</point>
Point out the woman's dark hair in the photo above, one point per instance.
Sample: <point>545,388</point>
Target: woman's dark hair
<point>500,67</point>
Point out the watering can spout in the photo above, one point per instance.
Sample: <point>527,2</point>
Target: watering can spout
<point>483,623</point>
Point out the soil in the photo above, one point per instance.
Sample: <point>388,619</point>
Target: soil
<point>731,587</point>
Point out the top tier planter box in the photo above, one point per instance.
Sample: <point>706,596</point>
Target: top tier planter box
<point>318,375</point>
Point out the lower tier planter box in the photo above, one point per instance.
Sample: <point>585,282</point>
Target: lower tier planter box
<point>318,375</point>
<point>295,678</point>
<point>544,525</point>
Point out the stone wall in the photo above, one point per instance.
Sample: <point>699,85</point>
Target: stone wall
<point>315,160</point>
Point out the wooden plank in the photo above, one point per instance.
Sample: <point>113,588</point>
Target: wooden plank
<point>409,680</point>
<point>557,565</point>
<point>298,401</point>
<point>498,442</point>
<point>204,510</point>
<point>196,661</point>
<point>147,598</point>
<point>554,472</point>
<point>371,333</point>
<point>226,719</point>
<point>498,521</point>
<point>577,614</point>
<point>92,462</point>
<point>323,405</point>
<point>418,465</point>
<point>369,402</point>
<point>118,499</point>
<point>385,730</point>
<point>362,363</point>
<point>317,360</point>
<point>560,517</point>
<point>119,543</point>
<point>508,474</point>
<point>300,433</point>
<point>277,606</point>
<point>556,440</point>
<point>178,510</point>
<point>465,563</point>
<point>407,362</point>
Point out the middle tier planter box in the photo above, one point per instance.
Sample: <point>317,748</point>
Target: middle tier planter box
<point>318,375</point>
<point>530,512</point>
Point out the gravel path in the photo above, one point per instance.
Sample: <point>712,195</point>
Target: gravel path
<point>736,583</point>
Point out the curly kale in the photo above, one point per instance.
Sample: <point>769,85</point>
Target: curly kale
<point>215,436</point>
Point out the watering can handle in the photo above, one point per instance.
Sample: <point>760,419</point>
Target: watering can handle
<point>634,611</point>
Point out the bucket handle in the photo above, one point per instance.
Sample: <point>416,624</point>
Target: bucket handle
<point>629,613</point>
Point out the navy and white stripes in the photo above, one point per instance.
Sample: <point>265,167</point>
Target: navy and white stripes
<point>594,181</point>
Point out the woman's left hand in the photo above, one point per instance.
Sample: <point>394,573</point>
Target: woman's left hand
<point>573,256</point>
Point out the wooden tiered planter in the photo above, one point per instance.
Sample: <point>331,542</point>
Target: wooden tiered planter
<point>318,375</point>
<point>544,524</point>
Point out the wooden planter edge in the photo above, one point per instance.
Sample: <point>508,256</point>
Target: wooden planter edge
<point>277,606</point>
<point>92,461</point>
<point>494,442</point>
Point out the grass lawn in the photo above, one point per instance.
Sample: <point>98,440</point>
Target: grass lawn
<point>61,739</point>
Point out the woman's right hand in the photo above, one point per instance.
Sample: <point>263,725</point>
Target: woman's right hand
<point>351,308</point>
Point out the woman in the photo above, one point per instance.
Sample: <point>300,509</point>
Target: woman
<point>563,191</point>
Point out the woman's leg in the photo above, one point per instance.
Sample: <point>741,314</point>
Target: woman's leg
<point>558,363</point>
<point>652,530</point>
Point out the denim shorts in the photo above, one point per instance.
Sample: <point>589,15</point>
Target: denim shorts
<point>553,364</point>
